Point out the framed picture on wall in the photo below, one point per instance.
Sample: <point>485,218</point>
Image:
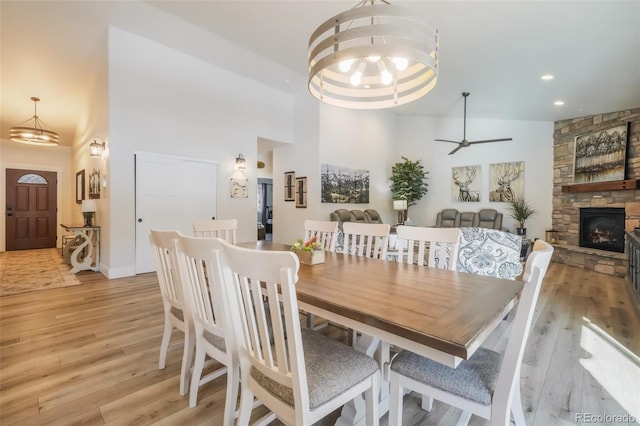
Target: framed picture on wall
<point>601,156</point>
<point>289,186</point>
<point>94,184</point>
<point>80,186</point>
<point>239,188</point>
<point>301,192</point>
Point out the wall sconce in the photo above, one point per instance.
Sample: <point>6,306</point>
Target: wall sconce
<point>96,148</point>
<point>401,207</point>
<point>241,162</point>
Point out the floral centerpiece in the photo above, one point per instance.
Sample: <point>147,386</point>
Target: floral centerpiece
<point>309,252</point>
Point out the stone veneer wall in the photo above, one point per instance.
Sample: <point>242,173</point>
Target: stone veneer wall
<point>566,206</point>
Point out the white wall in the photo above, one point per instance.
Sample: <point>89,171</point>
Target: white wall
<point>165,101</point>
<point>532,143</point>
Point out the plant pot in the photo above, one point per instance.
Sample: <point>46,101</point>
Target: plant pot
<point>310,257</point>
<point>521,231</point>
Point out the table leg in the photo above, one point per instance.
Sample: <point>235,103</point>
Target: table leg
<point>76,263</point>
<point>354,412</point>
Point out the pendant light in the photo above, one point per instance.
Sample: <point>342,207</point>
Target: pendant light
<point>36,134</point>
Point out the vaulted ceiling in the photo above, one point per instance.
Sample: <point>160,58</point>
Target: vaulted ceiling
<point>496,50</point>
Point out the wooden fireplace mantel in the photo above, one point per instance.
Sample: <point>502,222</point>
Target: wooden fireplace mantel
<point>616,185</point>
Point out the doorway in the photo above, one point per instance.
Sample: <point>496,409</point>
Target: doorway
<point>31,209</point>
<point>265,207</point>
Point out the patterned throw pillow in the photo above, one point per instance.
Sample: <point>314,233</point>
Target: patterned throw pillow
<point>489,252</point>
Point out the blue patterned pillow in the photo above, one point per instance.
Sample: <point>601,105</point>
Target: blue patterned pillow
<point>489,252</point>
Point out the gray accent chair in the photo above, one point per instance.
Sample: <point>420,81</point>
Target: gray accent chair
<point>340,216</point>
<point>448,218</point>
<point>358,216</point>
<point>467,219</point>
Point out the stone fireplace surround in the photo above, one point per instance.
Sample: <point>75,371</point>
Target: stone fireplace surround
<point>566,205</point>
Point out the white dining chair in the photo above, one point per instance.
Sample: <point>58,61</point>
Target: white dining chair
<point>325,231</point>
<point>327,234</point>
<point>214,336</point>
<point>299,374</point>
<point>219,228</point>
<point>176,313</point>
<point>488,383</point>
<point>438,245</point>
<point>366,239</point>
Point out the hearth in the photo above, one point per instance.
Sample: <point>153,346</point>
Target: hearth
<point>602,228</point>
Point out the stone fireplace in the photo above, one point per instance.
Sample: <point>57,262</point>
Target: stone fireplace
<point>567,205</point>
<point>602,228</point>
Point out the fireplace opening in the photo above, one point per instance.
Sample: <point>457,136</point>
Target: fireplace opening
<point>602,228</point>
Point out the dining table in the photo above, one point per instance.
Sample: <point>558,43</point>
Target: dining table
<point>437,313</point>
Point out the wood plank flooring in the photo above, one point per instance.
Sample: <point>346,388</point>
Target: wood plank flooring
<point>89,355</point>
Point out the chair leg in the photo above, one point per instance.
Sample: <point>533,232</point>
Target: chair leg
<point>164,345</point>
<point>187,357</point>
<point>371,400</point>
<point>427,403</point>
<point>233,385</point>
<point>516,408</point>
<point>463,420</point>
<point>395,402</point>
<point>198,365</point>
<point>246,406</point>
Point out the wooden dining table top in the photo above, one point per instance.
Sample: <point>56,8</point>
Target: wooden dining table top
<point>417,306</point>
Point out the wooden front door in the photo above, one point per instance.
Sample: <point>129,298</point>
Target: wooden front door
<point>31,209</point>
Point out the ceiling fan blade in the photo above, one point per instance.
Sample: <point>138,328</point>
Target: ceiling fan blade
<point>446,140</point>
<point>455,150</point>
<point>491,140</point>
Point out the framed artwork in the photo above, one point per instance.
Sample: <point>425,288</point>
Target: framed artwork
<point>343,185</point>
<point>301,192</point>
<point>601,156</point>
<point>289,186</point>
<point>80,186</point>
<point>94,184</point>
<point>465,184</point>
<point>506,181</point>
<point>239,188</point>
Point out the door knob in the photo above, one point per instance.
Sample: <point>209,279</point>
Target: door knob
<point>139,219</point>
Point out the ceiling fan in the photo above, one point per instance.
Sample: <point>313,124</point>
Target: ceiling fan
<point>465,143</point>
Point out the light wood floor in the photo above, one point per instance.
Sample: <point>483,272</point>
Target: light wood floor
<point>89,355</point>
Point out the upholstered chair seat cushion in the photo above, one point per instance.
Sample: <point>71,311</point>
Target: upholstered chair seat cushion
<point>332,368</point>
<point>489,252</point>
<point>474,379</point>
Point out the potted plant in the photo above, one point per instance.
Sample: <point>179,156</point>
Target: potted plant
<point>408,182</point>
<point>520,210</point>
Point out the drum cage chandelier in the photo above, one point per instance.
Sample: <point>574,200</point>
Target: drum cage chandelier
<point>372,56</point>
<point>37,134</point>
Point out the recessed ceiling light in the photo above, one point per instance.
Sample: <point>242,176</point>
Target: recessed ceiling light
<point>547,77</point>
<point>558,103</point>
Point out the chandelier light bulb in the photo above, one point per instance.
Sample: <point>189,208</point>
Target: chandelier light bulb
<point>401,64</point>
<point>346,65</point>
<point>373,58</point>
<point>356,77</point>
<point>385,76</point>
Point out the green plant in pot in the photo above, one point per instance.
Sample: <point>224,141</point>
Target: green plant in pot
<point>520,210</point>
<point>408,182</point>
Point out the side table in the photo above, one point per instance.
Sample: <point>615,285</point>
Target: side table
<point>86,253</point>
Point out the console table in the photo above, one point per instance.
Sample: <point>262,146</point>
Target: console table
<point>86,247</point>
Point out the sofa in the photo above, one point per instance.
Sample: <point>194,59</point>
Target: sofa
<point>485,218</point>
<point>344,215</point>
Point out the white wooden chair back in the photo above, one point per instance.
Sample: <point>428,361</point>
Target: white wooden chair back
<point>509,377</point>
<point>219,228</point>
<point>198,260</point>
<point>441,244</point>
<point>366,239</point>
<point>267,344</point>
<point>176,312</point>
<point>325,231</point>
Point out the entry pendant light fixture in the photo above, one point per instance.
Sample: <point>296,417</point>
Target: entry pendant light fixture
<point>36,134</point>
<point>375,55</point>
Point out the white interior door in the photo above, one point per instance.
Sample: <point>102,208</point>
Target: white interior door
<point>171,192</point>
